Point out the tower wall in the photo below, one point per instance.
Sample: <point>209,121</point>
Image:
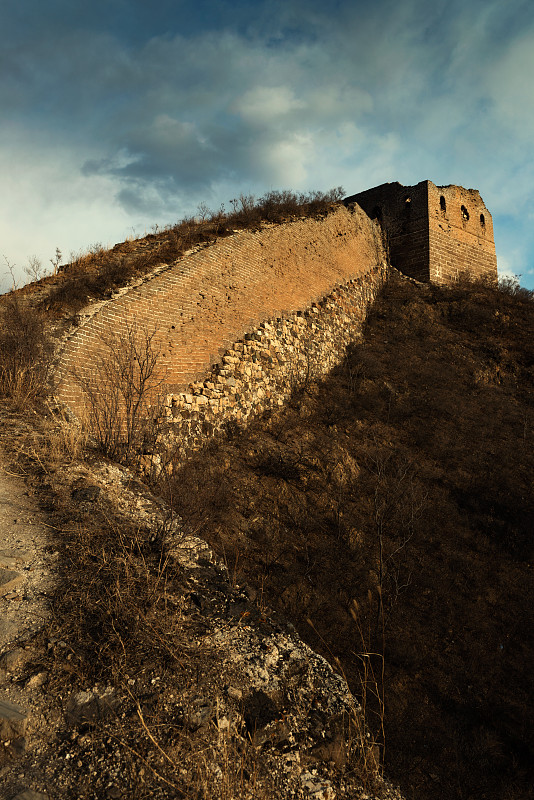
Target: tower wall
<point>403,214</point>
<point>434,233</point>
<point>460,234</point>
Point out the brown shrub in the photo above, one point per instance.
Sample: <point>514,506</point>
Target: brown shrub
<point>121,395</point>
<point>26,354</point>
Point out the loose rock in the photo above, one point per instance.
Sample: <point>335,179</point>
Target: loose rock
<point>90,706</point>
<point>13,720</point>
<point>9,580</point>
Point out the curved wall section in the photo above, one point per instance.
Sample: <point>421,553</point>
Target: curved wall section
<point>211,298</point>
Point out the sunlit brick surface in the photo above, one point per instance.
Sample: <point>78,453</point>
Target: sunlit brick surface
<point>434,232</point>
<point>209,299</point>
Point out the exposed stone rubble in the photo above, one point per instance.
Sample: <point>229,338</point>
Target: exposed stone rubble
<point>129,499</point>
<point>9,580</point>
<point>90,706</point>
<point>261,370</point>
<point>13,720</point>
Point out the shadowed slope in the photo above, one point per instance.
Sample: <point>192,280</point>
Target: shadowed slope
<point>392,506</point>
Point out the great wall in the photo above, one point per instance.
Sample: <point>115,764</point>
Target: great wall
<point>239,323</point>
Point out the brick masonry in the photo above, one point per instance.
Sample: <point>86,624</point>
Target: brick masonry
<point>434,232</point>
<point>207,300</point>
<point>242,322</point>
<point>460,234</point>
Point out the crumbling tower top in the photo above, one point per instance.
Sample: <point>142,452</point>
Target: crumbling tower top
<point>434,232</point>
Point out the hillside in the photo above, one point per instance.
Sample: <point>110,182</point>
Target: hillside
<point>388,510</point>
<point>385,513</point>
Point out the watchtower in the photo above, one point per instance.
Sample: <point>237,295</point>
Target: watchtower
<point>434,232</point>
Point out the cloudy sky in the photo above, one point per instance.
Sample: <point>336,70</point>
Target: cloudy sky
<point>119,115</point>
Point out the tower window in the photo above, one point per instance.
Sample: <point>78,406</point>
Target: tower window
<point>483,220</point>
<point>442,204</point>
<point>465,213</point>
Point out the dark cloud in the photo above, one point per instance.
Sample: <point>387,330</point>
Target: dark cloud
<point>170,103</point>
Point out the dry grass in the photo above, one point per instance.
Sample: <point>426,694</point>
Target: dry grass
<point>54,443</point>
<point>405,477</point>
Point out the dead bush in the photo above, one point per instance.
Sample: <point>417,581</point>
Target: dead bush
<point>26,354</point>
<point>121,395</point>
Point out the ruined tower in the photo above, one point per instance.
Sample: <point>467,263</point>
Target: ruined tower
<point>434,232</point>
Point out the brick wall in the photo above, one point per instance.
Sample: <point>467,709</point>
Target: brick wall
<point>210,298</point>
<point>460,234</point>
<point>403,214</point>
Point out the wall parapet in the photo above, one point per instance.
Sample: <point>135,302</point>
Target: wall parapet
<point>259,371</point>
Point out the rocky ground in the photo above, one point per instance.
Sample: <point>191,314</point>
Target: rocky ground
<point>237,705</point>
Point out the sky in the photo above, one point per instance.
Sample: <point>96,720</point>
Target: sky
<point>121,116</point>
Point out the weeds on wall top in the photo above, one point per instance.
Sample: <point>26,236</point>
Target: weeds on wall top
<point>95,274</point>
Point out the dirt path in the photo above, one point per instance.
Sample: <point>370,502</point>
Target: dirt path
<point>26,574</point>
<point>24,562</point>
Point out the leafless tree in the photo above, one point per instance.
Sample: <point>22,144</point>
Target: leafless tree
<point>122,393</point>
<point>56,260</point>
<point>35,269</point>
<point>11,271</point>
<point>397,505</point>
